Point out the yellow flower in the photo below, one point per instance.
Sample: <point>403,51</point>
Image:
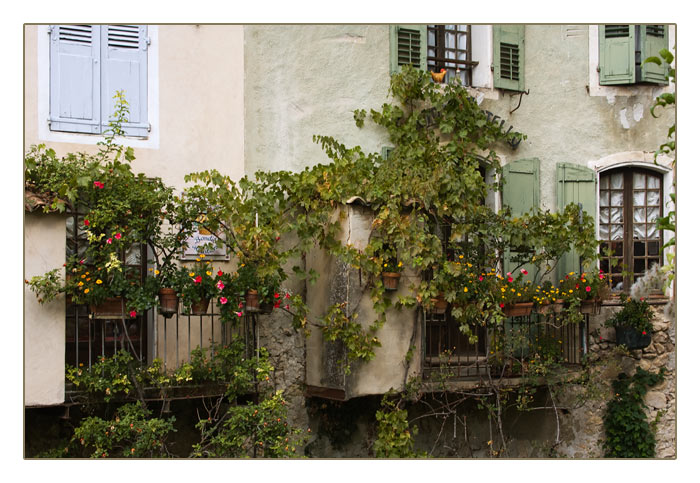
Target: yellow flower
<point>469,265</point>
<point>571,291</point>
<point>208,272</point>
<point>80,284</point>
<point>191,274</point>
<point>400,264</point>
<point>98,281</point>
<point>157,272</point>
<point>86,290</point>
<point>518,294</point>
<point>466,289</point>
<point>82,276</point>
<point>571,273</point>
<point>461,256</point>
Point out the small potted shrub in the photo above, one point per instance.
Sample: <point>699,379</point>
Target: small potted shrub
<point>201,286</point>
<point>632,324</point>
<point>391,274</point>
<point>260,291</point>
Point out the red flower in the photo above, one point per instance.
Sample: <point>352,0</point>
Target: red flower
<point>481,278</point>
<point>576,285</point>
<point>510,279</point>
<point>501,305</point>
<point>286,306</point>
<point>198,279</point>
<point>109,241</point>
<point>118,236</point>
<point>277,304</point>
<point>277,295</point>
<point>86,222</point>
<point>99,184</point>
<point>588,289</point>
<point>219,273</point>
<point>523,271</point>
<point>132,314</point>
<point>286,295</point>
<point>223,300</point>
<point>644,332</point>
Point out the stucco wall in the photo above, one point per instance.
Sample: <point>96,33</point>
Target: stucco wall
<point>44,324</point>
<point>303,80</point>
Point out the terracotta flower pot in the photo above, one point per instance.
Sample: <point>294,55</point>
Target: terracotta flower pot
<point>167,302</point>
<point>200,307</point>
<point>519,309</point>
<point>252,301</point>
<point>110,306</point>
<point>439,305</point>
<point>391,280</point>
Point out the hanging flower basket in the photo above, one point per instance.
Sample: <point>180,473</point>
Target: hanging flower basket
<point>110,306</point>
<point>200,307</point>
<point>631,338</point>
<point>391,280</point>
<point>252,301</point>
<point>439,305</point>
<point>167,302</point>
<point>590,307</point>
<point>519,309</point>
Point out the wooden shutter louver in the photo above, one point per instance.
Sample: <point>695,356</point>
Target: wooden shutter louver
<point>81,34</point>
<point>653,38</point>
<point>617,54</point>
<point>614,31</point>
<point>123,36</point>
<point>510,59</point>
<point>409,47</point>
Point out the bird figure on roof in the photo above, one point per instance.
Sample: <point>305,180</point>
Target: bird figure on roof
<point>438,77</point>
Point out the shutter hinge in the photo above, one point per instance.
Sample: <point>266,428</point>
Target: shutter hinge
<point>148,41</point>
<point>49,30</point>
<point>149,127</point>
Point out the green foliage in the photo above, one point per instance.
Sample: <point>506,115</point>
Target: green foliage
<point>394,438</point>
<point>251,430</point>
<point>635,314</point>
<point>47,286</point>
<point>132,433</point>
<point>627,431</point>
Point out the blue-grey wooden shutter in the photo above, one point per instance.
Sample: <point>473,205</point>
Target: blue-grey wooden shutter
<point>124,67</point>
<point>575,184</point>
<point>74,65</point>
<point>616,54</point>
<point>521,192</point>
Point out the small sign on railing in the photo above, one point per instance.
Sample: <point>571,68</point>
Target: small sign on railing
<point>203,241</point>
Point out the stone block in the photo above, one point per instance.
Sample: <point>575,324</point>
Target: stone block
<point>655,400</point>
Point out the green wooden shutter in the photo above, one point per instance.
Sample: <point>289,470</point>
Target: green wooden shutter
<point>653,39</point>
<point>521,192</point>
<point>575,184</point>
<point>509,57</point>
<point>616,54</point>
<point>409,45</point>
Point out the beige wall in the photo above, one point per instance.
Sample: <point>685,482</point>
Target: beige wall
<point>44,325</point>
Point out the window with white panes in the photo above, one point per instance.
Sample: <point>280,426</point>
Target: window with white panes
<point>449,48</point>
<point>630,243</point>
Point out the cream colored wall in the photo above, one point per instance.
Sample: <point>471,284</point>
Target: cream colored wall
<point>195,101</point>
<point>44,325</point>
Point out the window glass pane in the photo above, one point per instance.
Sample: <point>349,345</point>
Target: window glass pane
<point>638,181</point>
<point>653,182</point>
<point>639,265</point>
<point>616,248</point>
<point>652,198</point>
<point>605,198</point>
<point>604,231</point>
<point>652,214</point>
<point>604,182</point>
<point>133,255</point>
<point>638,199</point>
<point>639,215</point>
<point>615,215</point>
<point>604,215</point>
<point>639,231</point>
<point>604,265</point>
<point>616,265</point>
<point>653,247</point>
<point>652,232</point>
<point>639,249</point>
<point>616,181</point>
<point>616,232</point>
<point>616,283</point>
<point>616,198</point>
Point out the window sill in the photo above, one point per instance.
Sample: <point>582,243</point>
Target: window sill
<point>654,299</point>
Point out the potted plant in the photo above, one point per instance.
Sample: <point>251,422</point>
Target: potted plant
<point>632,324</point>
<point>260,290</point>
<point>391,273</point>
<point>202,284</point>
<point>586,290</point>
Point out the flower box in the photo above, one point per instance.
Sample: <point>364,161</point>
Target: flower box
<point>590,307</point>
<point>519,309</point>
<point>439,305</point>
<point>110,306</point>
<point>631,338</point>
